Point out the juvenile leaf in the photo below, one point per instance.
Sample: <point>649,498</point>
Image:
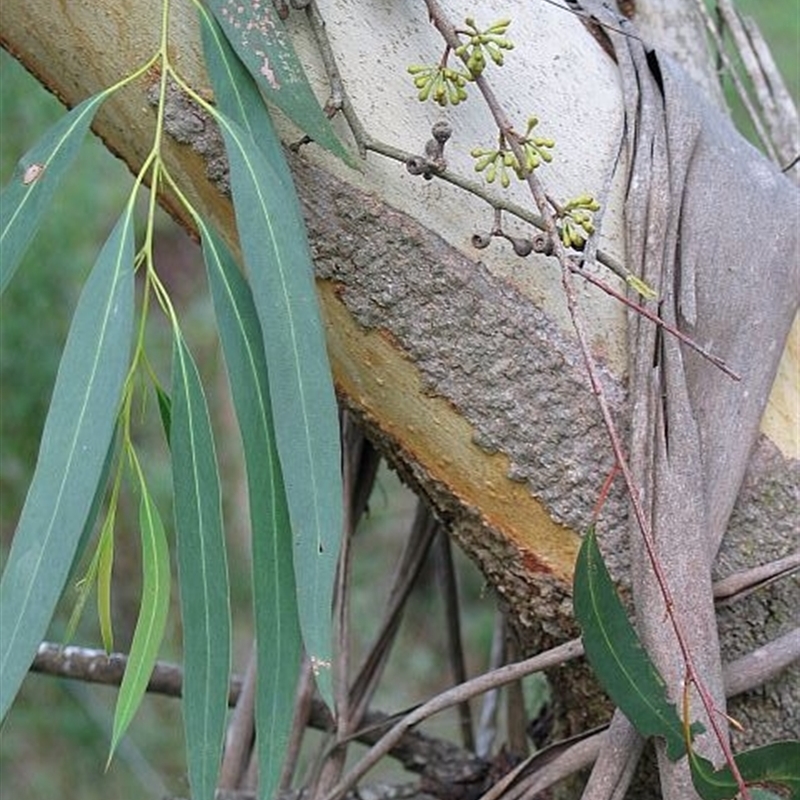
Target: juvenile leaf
<point>24,200</point>
<point>776,764</point>
<point>164,410</point>
<point>638,285</point>
<point>278,260</point>
<point>203,573</point>
<point>87,583</point>
<point>616,654</point>
<point>278,643</point>
<point>105,565</point>
<point>152,617</point>
<point>259,37</point>
<point>85,587</point>
<point>98,576</point>
<point>75,441</point>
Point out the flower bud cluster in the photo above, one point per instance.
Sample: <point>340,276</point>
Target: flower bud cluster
<point>444,85</point>
<point>576,221</point>
<point>497,161</point>
<point>490,42</point>
<point>440,83</point>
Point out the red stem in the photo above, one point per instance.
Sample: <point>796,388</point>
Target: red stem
<point>447,31</point>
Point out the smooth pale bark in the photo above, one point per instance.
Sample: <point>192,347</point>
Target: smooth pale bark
<point>466,372</point>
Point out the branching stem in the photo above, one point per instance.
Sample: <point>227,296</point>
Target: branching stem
<point>446,29</point>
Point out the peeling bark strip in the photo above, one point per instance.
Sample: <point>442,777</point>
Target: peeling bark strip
<point>706,236</point>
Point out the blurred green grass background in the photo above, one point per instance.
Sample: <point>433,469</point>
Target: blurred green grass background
<point>56,735</point>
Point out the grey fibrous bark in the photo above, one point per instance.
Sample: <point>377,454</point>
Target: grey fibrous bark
<point>693,430</point>
<point>680,497</point>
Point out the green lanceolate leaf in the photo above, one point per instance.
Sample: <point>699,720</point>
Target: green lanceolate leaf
<point>776,764</point>
<point>238,97</point>
<point>616,654</point>
<point>76,438</point>
<point>203,573</point>
<point>97,505</point>
<point>86,584</point>
<point>278,260</point>
<point>260,39</point>
<point>152,617</point>
<point>26,197</point>
<point>105,566</point>
<point>164,410</point>
<point>278,640</point>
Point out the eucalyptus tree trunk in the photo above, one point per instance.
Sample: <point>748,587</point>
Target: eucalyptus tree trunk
<point>463,364</point>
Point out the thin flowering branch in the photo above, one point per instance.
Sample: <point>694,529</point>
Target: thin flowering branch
<point>571,265</point>
<point>506,128</point>
<point>340,101</point>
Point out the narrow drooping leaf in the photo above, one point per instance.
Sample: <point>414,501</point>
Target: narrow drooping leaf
<point>238,97</point>
<point>86,584</point>
<point>164,410</point>
<point>776,764</point>
<point>85,587</point>
<point>260,39</point>
<point>97,505</point>
<point>203,574</point>
<point>620,662</point>
<point>26,197</point>
<point>105,566</point>
<point>278,260</point>
<point>152,619</point>
<point>278,640</point>
<point>98,576</point>
<point>75,442</point>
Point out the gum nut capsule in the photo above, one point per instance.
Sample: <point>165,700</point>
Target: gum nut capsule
<point>441,131</point>
<point>481,241</point>
<point>416,165</point>
<point>522,247</point>
<point>542,243</point>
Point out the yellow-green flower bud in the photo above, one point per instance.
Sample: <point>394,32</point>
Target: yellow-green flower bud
<point>484,162</point>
